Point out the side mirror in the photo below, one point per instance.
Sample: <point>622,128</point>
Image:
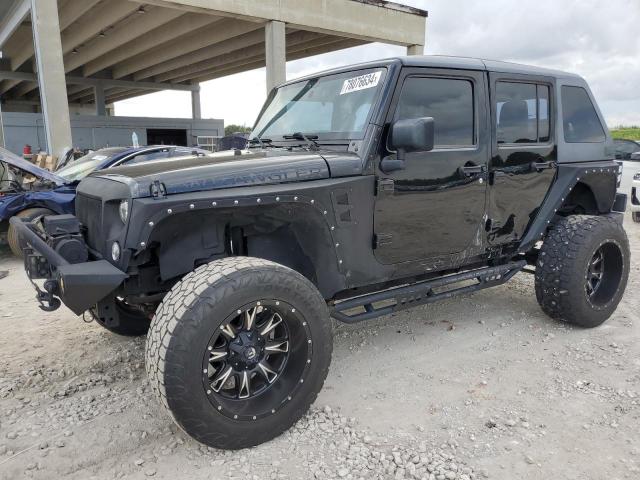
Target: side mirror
<point>412,135</point>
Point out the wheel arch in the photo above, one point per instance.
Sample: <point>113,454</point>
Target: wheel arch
<point>294,234</point>
<point>589,185</point>
<point>592,195</point>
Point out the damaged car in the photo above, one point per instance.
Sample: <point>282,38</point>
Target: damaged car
<point>29,191</point>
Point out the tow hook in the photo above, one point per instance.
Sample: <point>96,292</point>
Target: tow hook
<point>48,302</point>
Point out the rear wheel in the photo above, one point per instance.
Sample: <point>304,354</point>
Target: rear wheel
<point>12,236</point>
<point>238,351</point>
<point>582,269</point>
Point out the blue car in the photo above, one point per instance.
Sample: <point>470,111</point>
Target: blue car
<point>55,192</point>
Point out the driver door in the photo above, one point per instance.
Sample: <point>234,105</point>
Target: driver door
<point>432,210</point>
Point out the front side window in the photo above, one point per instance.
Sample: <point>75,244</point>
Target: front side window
<point>579,117</point>
<point>448,101</point>
<point>522,112</point>
<point>331,107</point>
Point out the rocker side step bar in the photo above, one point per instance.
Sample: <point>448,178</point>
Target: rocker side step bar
<point>420,293</point>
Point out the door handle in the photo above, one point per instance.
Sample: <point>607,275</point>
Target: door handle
<point>539,166</point>
<point>471,170</point>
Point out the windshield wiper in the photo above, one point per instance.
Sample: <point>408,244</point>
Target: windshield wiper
<point>310,139</point>
<point>261,141</point>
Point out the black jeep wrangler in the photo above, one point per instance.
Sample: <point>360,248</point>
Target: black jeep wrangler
<point>364,190</point>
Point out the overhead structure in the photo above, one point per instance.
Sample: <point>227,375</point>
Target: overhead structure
<point>96,52</point>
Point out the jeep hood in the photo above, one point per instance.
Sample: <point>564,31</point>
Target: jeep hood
<point>227,169</point>
<point>26,166</point>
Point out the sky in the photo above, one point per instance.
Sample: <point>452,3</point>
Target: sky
<point>597,39</point>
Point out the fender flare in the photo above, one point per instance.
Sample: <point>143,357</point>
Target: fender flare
<point>600,177</point>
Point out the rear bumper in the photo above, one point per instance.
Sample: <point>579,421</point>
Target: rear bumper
<point>79,285</point>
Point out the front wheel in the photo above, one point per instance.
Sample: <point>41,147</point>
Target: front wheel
<point>582,269</point>
<point>238,350</point>
<point>28,214</point>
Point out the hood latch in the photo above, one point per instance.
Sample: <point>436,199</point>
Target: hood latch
<point>158,190</point>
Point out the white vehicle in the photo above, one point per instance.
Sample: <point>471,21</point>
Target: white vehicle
<point>634,199</point>
<point>627,153</point>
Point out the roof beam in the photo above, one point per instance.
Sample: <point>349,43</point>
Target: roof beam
<point>107,82</point>
<point>12,20</point>
<point>103,16</point>
<point>6,85</point>
<point>124,95</point>
<point>239,49</point>
<point>10,75</point>
<point>251,55</point>
<point>129,84</point>
<point>223,30</point>
<point>119,35</point>
<point>159,35</point>
<point>21,37</point>
<point>73,10</point>
<point>203,54</point>
<point>25,88</point>
<point>335,17</point>
<point>231,70</point>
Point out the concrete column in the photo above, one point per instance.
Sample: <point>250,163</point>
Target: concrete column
<point>415,50</point>
<point>98,97</point>
<point>195,103</point>
<point>1,128</point>
<point>53,88</point>
<point>276,54</point>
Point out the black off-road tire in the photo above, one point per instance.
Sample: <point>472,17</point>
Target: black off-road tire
<point>130,322</point>
<point>181,330</point>
<point>562,269</point>
<point>12,236</point>
<point>635,216</point>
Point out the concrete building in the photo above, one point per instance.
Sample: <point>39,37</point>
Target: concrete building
<point>64,55</point>
<point>92,132</point>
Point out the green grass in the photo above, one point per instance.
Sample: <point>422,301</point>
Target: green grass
<point>630,133</point>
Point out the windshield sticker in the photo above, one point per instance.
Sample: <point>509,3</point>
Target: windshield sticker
<point>362,82</point>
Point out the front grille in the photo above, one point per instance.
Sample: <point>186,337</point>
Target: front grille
<point>89,212</point>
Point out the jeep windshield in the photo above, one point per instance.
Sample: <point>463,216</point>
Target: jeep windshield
<point>331,107</point>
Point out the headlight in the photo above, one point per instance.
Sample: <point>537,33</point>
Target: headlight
<point>124,210</point>
<point>115,251</point>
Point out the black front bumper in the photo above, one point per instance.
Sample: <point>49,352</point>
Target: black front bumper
<point>79,285</point>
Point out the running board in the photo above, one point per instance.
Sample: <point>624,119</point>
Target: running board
<point>420,293</point>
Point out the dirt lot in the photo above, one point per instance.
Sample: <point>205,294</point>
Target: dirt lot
<point>479,387</point>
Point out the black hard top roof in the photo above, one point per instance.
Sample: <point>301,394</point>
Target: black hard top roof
<point>460,63</point>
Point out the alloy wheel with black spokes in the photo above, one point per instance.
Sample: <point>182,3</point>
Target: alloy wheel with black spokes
<point>238,351</point>
<point>256,359</point>
<point>604,273</point>
<point>594,273</point>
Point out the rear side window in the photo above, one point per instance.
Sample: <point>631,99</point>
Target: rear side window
<point>450,103</point>
<point>522,112</point>
<point>579,117</point>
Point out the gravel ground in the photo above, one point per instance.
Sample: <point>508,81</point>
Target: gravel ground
<point>483,386</point>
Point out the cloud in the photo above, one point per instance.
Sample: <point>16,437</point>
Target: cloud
<point>598,40</point>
